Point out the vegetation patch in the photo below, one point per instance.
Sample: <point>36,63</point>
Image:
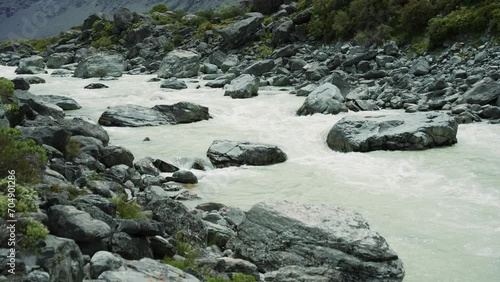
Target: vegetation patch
<point>128,209</point>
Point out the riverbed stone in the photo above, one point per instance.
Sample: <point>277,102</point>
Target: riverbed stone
<point>225,153</point>
<point>416,131</point>
<point>276,234</point>
<point>63,102</point>
<point>243,31</point>
<point>180,64</point>
<point>244,86</point>
<point>326,99</point>
<point>483,92</point>
<point>101,65</point>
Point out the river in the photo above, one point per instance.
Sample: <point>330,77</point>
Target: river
<point>438,209</point>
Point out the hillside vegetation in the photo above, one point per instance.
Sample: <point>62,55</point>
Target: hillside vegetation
<point>373,21</point>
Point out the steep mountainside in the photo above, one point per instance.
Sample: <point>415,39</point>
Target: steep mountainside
<point>26,19</point>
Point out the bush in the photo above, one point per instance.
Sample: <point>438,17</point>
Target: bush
<point>72,149</point>
<point>415,15</point>
<point>25,198</point>
<point>32,231</point>
<point>128,209</point>
<point>23,156</point>
<point>160,8</point>
<point>6,89</point>
<point>264,51</point>
<point>230,12</point>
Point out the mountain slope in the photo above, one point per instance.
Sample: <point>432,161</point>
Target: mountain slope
<point>27,19</point>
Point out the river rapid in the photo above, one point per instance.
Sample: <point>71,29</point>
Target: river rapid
<point>438,209</point>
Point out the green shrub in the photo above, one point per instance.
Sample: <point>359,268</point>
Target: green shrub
<point>230,12</point>
<point>168,47</point>
<point>128,209</point>
<point>416,14</point>
<point>32,232</point>
<point>264,51</point>
<point>23,156</point>
<point>25,198</point>
<point>6,89</point>
<point>72,149</point>
<point>160,8</point>
<point>177,40</point>
<point>103,42</point>
<point>240,277</point>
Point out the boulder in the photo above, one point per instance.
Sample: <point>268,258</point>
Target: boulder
<point>282,33</point>
<point>136,116</point>
<point>147,270</point>
<point>482,92</point>
<point>399,132</point>
<point>41,107</point>
<point>116,155</point>
<point>146,166</point>
<point>132,116</point>
<point>57,60</point>
<point>61,258</point>
<point>31,65</point>
<point>244,86</point>
<point>326,99</point>
<point>173,83</point>
<point>96,86</point>
<point>241,32</point>
<point>164,166</point>
<point>180,64</point>
<point>78,126</point>
<point>20,83</point>
<point>130,247</point>
<point>34,80</point>
<point>177,218</point>
<point>68,222</point>
<point>259,68</point>
<point>90,20</point>
<point>54,136</point>
<point>183,176</point>
<point>184,112</point>
<point>103,261</point>
<point>224,153</point>
<point>420,67</point>
<point>123,18</point>
<point>62,102</point>
<point>101,65</point>
<point>277,234</point>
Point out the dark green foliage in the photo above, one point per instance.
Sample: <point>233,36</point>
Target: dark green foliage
<point>72,149</point>
<point>37,44</point>
<point>6,89</point>
<point>23,156</point>
<point>128,209</point>
<point>102,34</point>
<point>160,8</point>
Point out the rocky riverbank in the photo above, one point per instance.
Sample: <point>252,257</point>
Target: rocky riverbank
<point>112,217</point>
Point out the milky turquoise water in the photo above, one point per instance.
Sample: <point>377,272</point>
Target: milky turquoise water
<point>439,209</point>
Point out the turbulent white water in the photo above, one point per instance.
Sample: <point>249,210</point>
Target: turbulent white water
<point>439,209</point>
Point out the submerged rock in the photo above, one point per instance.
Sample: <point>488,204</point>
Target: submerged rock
<point>400,132</point>
<point>224,153</point>
<point>276,234</point>
<point>96,86</point>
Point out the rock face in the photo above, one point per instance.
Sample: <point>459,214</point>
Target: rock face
<point>243,31</point>
<point>136,116</point>
<point>101,65</point>
<point>402,132</point>
<point>224,153</point>
<point>326,99</point>
<point>277,234</point>
<point>244,86</point>
<point>483,92</point>
<point>180,64</point>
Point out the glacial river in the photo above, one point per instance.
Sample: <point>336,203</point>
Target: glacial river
<point>438,209</point>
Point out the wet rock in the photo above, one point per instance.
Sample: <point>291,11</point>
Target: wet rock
<point>63,102</point>
<point>101,65</point>
<point>241,32</point>
<point>165,166</point>
<point>132,116</point>
<point>20,84</point>
<point>482,92</point>
<point>276,234</point>
<point>173,83</point>
<point>31,65</point>
<point>224,153</point>
<point>38,105</point>
<point>116,155</point>
<point>146,166</point>
<point>184,112</point>
<point>326,99</point>
<point>180,64</point>
<point>34,80</point>
<point>183,176</point>
<point>96,86</point>
<point>401,132</point>
<point>103,261</point>
<point>68,222</point>
<point>78,126</point>
<point>57,60</point>
<point>244,86</point>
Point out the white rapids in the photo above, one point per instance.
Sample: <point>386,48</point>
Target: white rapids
<point>438,209</point>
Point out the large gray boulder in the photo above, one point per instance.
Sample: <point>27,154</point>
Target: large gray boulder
<point>420,67</point>
<point>123,18</point>
<point>101,65</point>
<point>276,234</point>
<point>483,92</point>
<point>146,270</point>
<point>31,65</point>
<point>326,99</point>
<point>78,126</point>
<point>116,155</point>
<point>137,116</point>
<point>242,31</point>
<point>244,86</point>
<point>69,222</point>
<point>399,132</point>
<point>282,33</point>
<point>61,258</point>
<point>103,261</point>
<point>57,60</point>
<point>63,102</point>
<point>180,64</point>
<point>224,153</point>
<point>260,67</point>
<point>54,136</point>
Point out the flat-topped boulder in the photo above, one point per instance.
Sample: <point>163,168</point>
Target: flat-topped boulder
<point>276,234</point>
<point>416,131</point>
<point>101,65</point>
<point>224,153</point>
<point>63,102</point>
<point>180,64</point>
<point>244,86</point>
<point>137,116</point>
